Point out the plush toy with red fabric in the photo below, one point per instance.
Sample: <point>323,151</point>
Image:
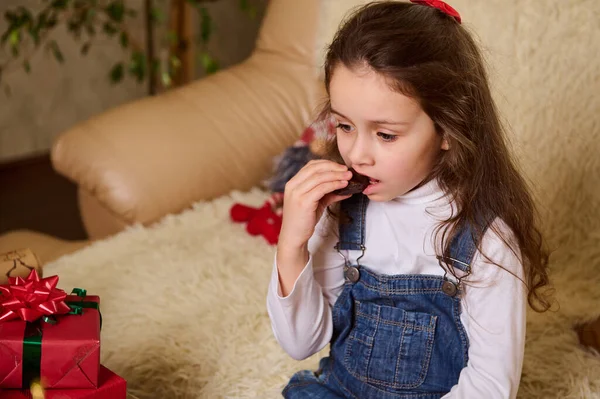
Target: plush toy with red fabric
<point>266,220</point>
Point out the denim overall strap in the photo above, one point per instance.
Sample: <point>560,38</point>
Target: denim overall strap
<point>352,234</point>
<point>462,250</point>
<point>464,245</point>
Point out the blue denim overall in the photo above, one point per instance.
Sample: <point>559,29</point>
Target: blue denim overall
<point>394,336</point>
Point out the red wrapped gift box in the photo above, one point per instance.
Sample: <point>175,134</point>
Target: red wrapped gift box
<point>61,355</point>
<point>111,386</point>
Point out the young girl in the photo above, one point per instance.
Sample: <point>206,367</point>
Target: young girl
<point>420,283</point>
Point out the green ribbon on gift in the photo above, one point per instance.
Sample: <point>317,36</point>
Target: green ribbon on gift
<point>32,340</point>
<point>32,352</point>
<point>77,307</point>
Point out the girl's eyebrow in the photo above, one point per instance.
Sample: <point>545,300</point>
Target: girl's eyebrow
<point>378,122</point>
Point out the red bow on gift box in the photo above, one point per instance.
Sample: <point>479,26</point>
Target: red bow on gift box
<point>440,5</point>
<point>31,298</point>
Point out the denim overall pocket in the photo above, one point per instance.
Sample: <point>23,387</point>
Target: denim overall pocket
<point>389,347</point>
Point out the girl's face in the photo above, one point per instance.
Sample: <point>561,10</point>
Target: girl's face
<point>381,133</point>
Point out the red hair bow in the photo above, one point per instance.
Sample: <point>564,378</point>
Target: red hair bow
<point>440,5</point>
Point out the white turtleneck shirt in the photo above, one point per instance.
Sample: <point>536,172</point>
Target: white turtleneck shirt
<point>400,239</point>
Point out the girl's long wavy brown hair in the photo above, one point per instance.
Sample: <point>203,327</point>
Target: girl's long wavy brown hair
<point>433,59</point>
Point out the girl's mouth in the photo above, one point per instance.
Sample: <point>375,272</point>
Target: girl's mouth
<point>373,184</point>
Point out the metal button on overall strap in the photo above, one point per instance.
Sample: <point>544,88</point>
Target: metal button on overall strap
<point>450,288</point>
<point>351,273</point>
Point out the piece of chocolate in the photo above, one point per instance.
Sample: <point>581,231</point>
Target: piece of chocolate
<point>355,185</point>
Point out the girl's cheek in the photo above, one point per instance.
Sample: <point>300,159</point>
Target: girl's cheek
<point>340,145</point>
<point>343,153</point>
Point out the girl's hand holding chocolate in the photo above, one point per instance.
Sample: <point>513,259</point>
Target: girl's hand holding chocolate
<point>306,197</point>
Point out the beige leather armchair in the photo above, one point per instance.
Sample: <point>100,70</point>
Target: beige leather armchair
<point>141,161</point>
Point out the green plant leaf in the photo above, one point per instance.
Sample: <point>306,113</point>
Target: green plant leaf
<point>116,73</point>
<point>155,66</point>
<point>34,31</point>
<point>137,65</point>
<point>60,4</point>
<point>89,22</point>
<point>40,24</point>
<point>51,21</point>
<point>79,4</point>
<point>248,8</point>
<point>90,15</point>
<point>58,55</point>
<point>14,37</point>
<point>109,29</point>
<point>42,18</point>
<point>19,18</point>
<point>11,17</point>
<point>175,62</point>
<point>209,64</point>
<point>194,3</point>
<point>206,25</point>
<point>27,66</point>
<point>86,48</point>
<point>172,38</point>
<point>124,39</point>
<point>25,16</point>
<point>116,10</point>
<point>158,16</point>
<point>35,36</point>
<point>166,79</point>
<point>74,26</point>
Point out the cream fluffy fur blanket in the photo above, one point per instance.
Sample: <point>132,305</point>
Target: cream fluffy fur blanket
<point>184,301</point>
<point>184,311</point>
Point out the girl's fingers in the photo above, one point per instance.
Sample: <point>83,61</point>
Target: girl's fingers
<point>320,191</point>
<point>319,179</point>
<point>320,162</point>
<point>316,167</point>
<point>331,198</point>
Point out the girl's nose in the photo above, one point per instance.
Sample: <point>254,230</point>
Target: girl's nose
<point>360,152</point>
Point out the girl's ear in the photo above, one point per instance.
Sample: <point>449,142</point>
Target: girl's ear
<point>445,143</point>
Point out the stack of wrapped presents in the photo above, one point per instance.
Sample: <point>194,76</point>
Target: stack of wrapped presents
<point>49,340</point>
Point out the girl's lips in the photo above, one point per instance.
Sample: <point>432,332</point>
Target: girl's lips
<point>372,187</point>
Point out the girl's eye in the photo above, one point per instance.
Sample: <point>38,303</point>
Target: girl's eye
<point>344,127</point>
<point>387,137</point>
